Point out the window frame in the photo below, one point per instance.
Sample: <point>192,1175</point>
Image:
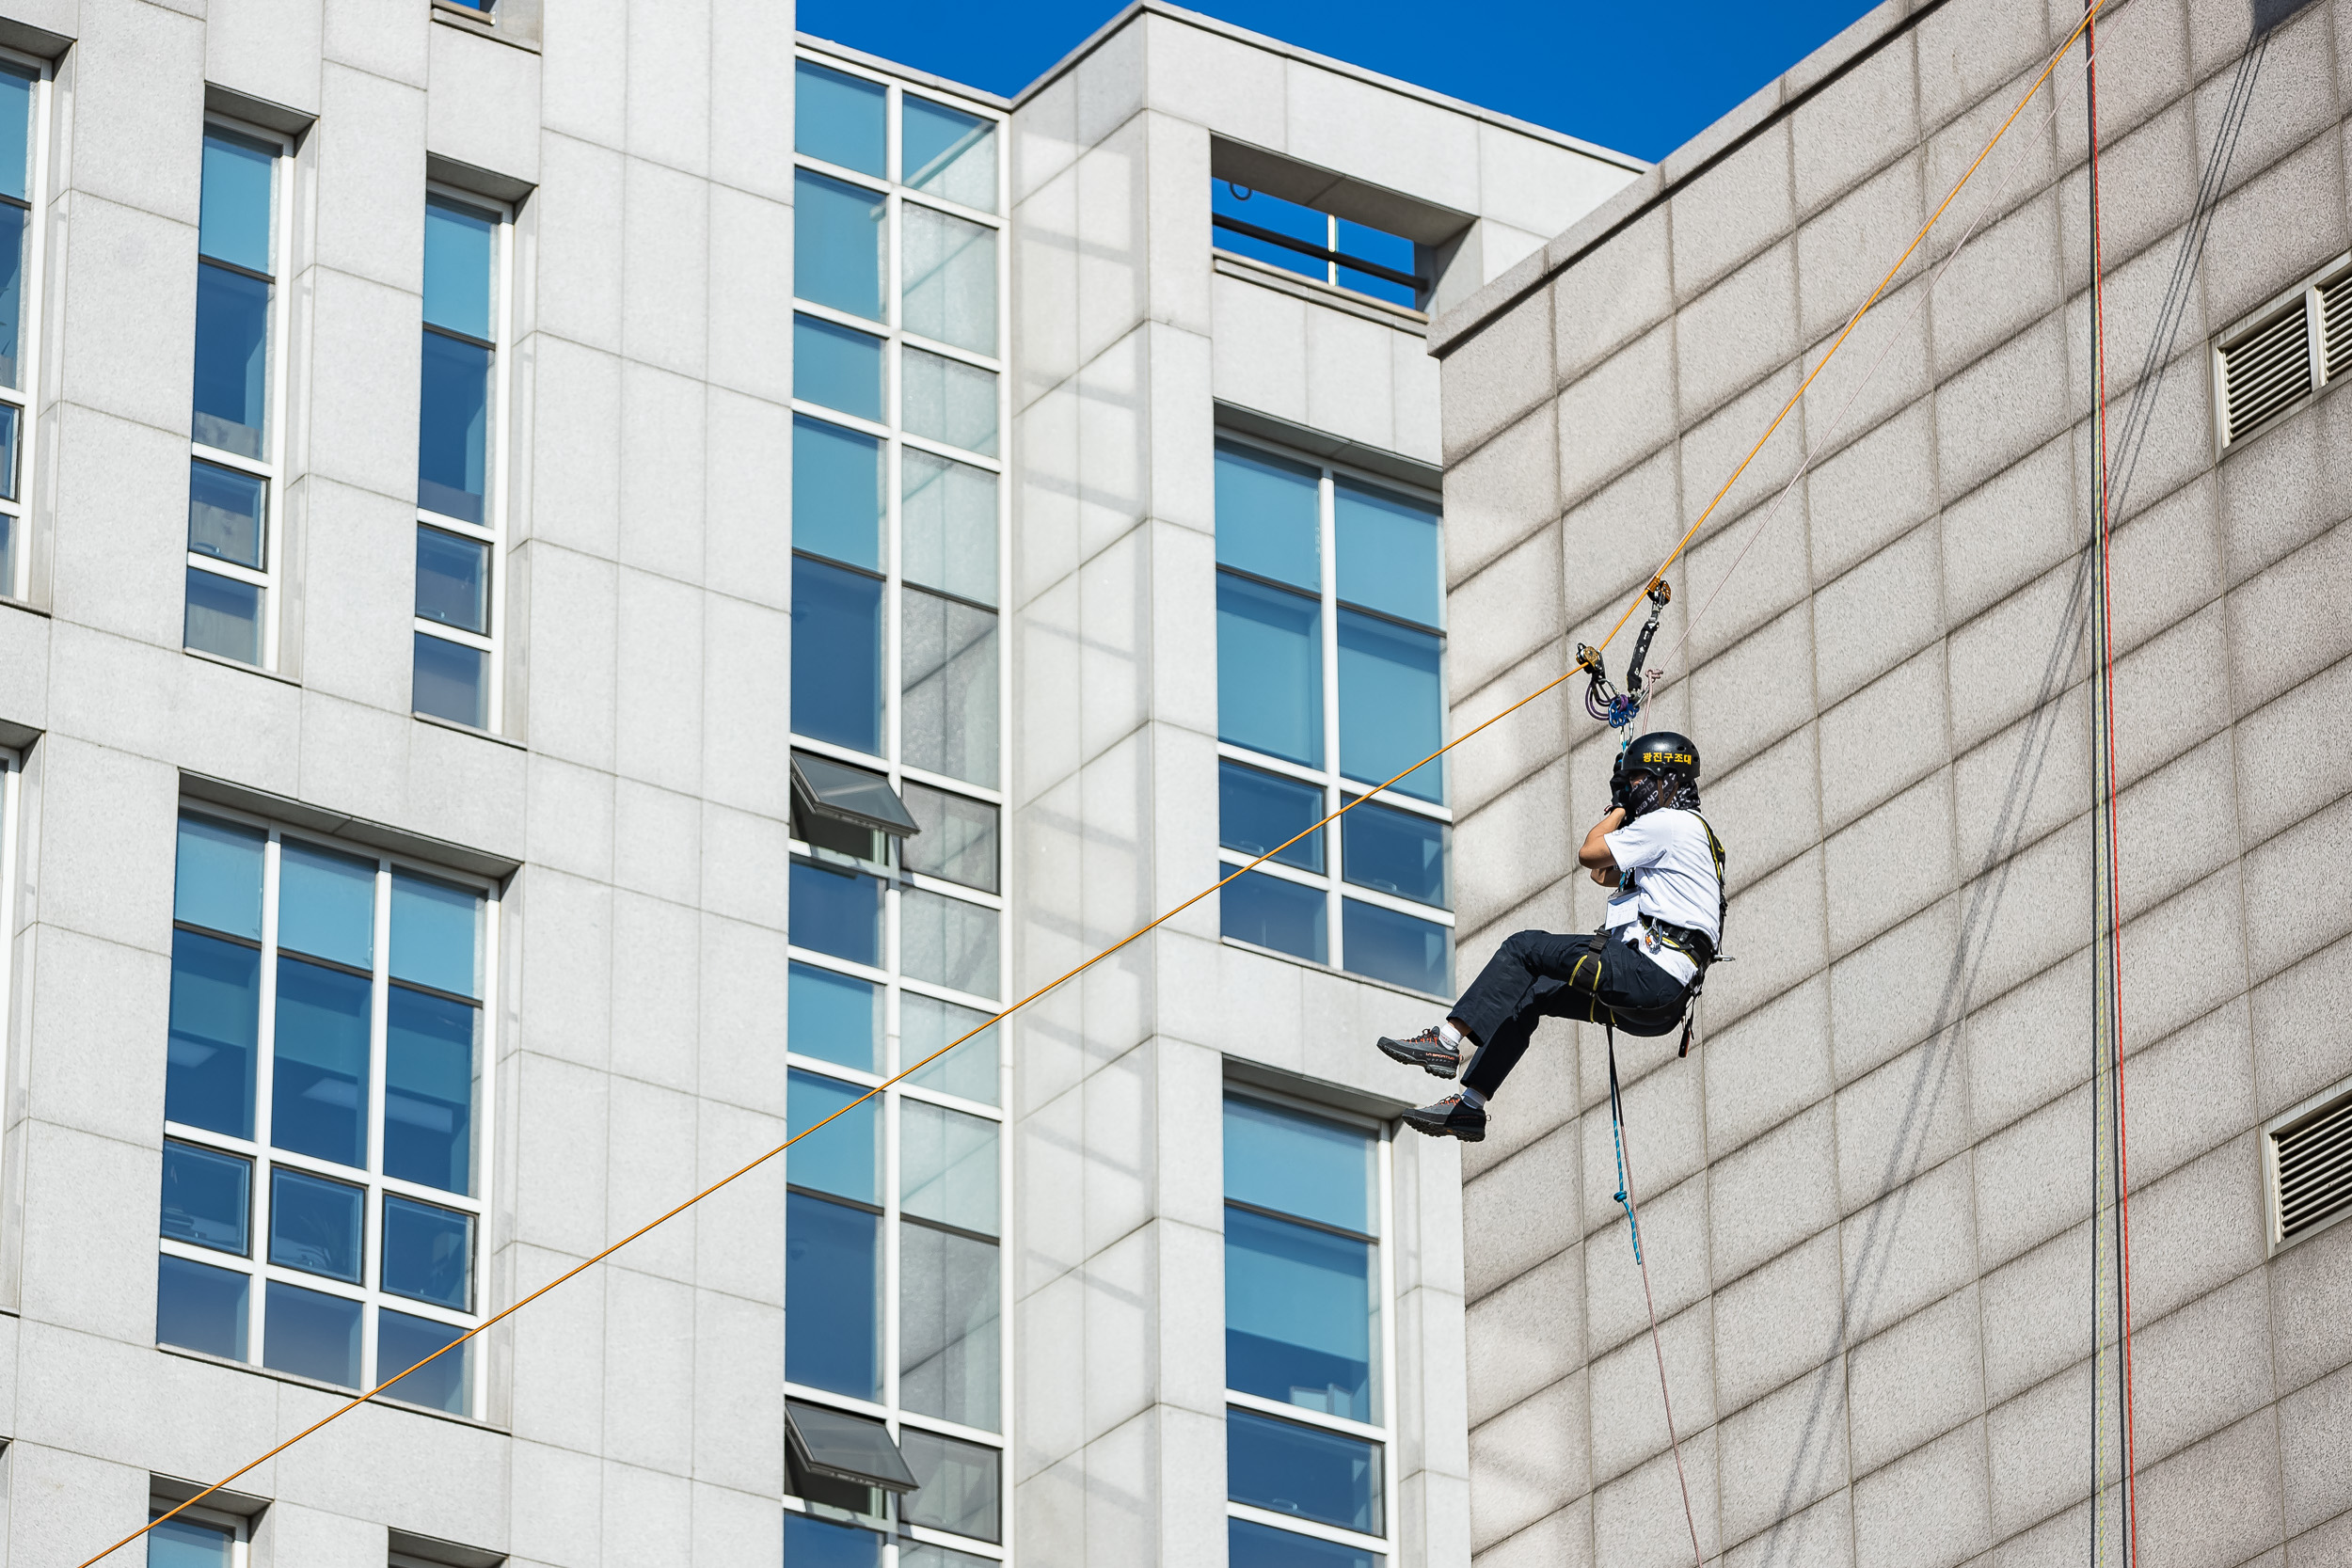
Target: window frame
<point>271,466</point>
<point>240,1528</point>
<point>1386,1432</point>
<point>12,767</point>
<point>16,584</point>
<point>896,344</point>
<point>263,1157</point>
<point>1337,786</point>
<point>492,532</point>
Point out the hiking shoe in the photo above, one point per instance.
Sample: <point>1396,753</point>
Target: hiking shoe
<point>1449,1117</point>
<point>1426,1050</point>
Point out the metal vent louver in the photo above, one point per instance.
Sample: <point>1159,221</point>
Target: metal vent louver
<point>2312,1156</point>
<point>2335,311</point>
<point>2266,373</point>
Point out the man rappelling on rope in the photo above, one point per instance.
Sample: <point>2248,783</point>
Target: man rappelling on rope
<point>1640,970</point>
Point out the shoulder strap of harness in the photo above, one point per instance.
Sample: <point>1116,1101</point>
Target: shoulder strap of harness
<point>1723,913</point>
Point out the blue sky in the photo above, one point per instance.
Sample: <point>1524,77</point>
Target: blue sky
<point>1641,78</point>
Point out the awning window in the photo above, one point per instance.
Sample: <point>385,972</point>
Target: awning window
<point>837,1447</point>
<point>824,788</point>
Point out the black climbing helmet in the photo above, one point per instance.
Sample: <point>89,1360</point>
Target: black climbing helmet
<point>1666,753</point>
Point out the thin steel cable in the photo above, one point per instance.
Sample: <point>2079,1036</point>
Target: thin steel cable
<point>1657,1343</point>
<point>1140,932</point>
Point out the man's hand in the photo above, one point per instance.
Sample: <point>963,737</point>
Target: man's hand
<point>1596,855</point>
<point>1617,796</point>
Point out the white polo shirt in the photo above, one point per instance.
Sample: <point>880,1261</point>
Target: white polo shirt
<point>1673,874</point>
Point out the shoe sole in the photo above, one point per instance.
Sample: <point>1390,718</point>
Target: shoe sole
<point>1429,1062</point>
<point>1467,1135</point>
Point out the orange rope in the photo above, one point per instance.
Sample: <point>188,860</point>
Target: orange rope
<point>1138,934</point>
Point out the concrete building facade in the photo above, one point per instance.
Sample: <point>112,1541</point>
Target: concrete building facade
<point>698,566</point>
<point>1867,1196</point>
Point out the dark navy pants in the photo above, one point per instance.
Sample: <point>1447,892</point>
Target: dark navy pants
<point>1540,975</point>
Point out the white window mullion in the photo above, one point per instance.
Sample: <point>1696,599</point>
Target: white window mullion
<point>1328,535</point>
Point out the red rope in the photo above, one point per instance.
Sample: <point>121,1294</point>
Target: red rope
<point>2115,888</point>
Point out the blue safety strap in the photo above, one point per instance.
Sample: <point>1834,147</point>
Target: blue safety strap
<point>1616,1131</point>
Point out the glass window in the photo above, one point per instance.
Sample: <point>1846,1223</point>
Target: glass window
<point>1257,810</point>
<point>836,655</point>
<point>1268,516</point>
<point>1269,670</point>
<point>401,1342</point>
<point>947,520</point>
<point>337,984</point>
<point>1388,944</point>
<point>224,617</point>
<point>454,583</point>
<point>958,1484</point>
<point>813,1543</point>
<point>839,367</point>
<point>1391,703</point>
<point>1308,1165</point>
<point>460,259</point>
<point>453,429</point>
<point>928,1025</point>
<point>948,1350</point>
<point>946,400</point>
<point>837,240</point>
<point>1250,1545</point>
<point>947,941</point>
<point>451,682</point>
<point>1314,244</point>
<point>835,1017</point>
<point>948,153</point>
<point>837,911</point>
<point>1396,851</point>
<point>184,1543</point>
<point>1389,551</point>
<point>17,94</point>
<point>833,1296</point>
<point>949,267</point>
<point>948,1167</point>
<point>958,837</point>
<point>231,360</point>
<point>846,1161</point>
<point>227,512</point>
<point>836,493</point>
<point>1298,1314</point>
<point>949,686</point>
<point>838,117</point>
<point>1271,912</point>
<point>1323,1476</point>
<point>458,525</point>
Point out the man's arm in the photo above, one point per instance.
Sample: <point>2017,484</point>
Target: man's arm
<point>1595,856</point>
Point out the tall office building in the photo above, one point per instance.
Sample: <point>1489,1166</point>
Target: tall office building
<point>581,584</point>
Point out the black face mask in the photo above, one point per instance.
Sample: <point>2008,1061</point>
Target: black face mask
<point>1649,792</point>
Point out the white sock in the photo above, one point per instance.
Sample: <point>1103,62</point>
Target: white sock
<point>1472,1098</point>
<point>1453,1037</point>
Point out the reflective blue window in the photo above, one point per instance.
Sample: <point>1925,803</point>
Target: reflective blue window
<point>1391,703</point>
<point>430,1044</point>
<point>16,129</point>
<point>402,1341</point>
<point>326,904</point>
<point>315,1225</point>
<point>428,1253</point>
<point>1269,516</point>
<point>216,879</point>
<point>437,934</point>
<point>232,221</point>
<point>318,1089</point>
<point>813,1543</point>
<point>224,617</point>
<point>837,911</point>
<point>1384,945</point>
<point>836,493</point>
<point>1271,912</point>
<point>846,1157</point>
<point>1396,851</point>
<point>200,1308</point>
<point>1389,551</point>
<point>947,152</point>
<point>451,681</point>
<point>1269,670</point>
<point>1308,1165</point>
<point>453,429</point>
<point>207,1197</point>
<point>1323,1476</point>
<point>837,1017</point>
<point>453,580</point>
<point>838,117</point>
<point>837,243</point>
<point>227,513</point>
<point>8,414</point>
<point>8,556</point>
<point>833,1296</point>
<point>1257,810</point>
<point>460,260</point>
<point>181,1542</point>
<point>1250,1545</point>
<point>15,223</point>
<point>231,360</point>
<point>215,1024</point>
<point>836,655</point>
<point>838,367</point>
<point>311,1334</point>
<point>1298,1314</point>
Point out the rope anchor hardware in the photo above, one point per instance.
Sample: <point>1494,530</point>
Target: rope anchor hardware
<point>1604,702</point>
